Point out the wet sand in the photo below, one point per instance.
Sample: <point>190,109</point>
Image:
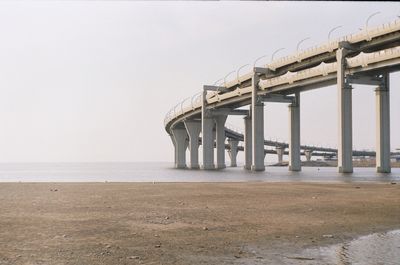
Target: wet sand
<point>185,223</point>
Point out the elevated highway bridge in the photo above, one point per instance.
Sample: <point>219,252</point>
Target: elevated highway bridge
<point>367,57</point>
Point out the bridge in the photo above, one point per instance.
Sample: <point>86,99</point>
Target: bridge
<point>235,136</point>
<point>367,57</point>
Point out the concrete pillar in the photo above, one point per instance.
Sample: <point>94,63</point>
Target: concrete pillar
<point>247,142</point>
<point>257,120</point>
<point>383,127</point>
<point>193,129</point>
<point>175,151</point>
<point>308,154</point>
<point>180,138</point>
<point>220,140</point>
<point>207,136</point>
<point>279,151</point>
<point>345,145</point>
<point>233,144</point>
<point>294,135</point>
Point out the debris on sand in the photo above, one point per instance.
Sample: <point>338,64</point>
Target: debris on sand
<point>300,258</point>
<point>327,236</point>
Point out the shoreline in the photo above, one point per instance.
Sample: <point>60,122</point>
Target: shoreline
<point>186,223</point>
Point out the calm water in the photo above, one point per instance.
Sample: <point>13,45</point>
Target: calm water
<point>378,248</point>
<point>164,172</point>
<point>373,249</point>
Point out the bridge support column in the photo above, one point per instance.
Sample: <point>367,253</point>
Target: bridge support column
<point>257,118</point>
<point>175,151</point>
<point>345,145</point>
<point>233,144</point>
<point>180,140</point>
<point>383,127</point>
<point>308,154</point>
<point>220,140</point>
<point>193,129</point>
<point>279,151</point>
<point>247,142</point>
<point>294,137</point>
<point>207,136</point>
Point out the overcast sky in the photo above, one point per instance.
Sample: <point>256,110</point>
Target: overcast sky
<point>91,81</point>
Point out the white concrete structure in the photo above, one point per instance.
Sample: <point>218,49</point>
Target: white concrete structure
<point>345,145</point>
<point>207,136</point>
<point>257,124</point>
<point>280,151</point>
<point>248,135</point>
<point>233,151</point>
<point>308,155</point>
<point>181,143</point>
<point>365,57</point>
<point>294,134</point>
<point>220,140</point>
<point>383,127</point>
<point>193,128</point>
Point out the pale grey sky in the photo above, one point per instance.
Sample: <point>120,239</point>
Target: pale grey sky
<point>90,81</point>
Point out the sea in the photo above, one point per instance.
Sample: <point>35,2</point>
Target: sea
<point>165,172</point>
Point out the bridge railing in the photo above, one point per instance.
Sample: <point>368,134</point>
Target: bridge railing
<point>363,59</point>
<point>185,106</point>
<point>364,35</point>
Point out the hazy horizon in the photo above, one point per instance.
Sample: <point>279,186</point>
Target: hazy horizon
<point>91,81</point>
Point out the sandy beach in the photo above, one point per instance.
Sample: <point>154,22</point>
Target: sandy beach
<point>185,223</point>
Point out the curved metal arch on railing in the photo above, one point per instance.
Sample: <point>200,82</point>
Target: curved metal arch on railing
<point>238,70</point>
<point>195,98</point>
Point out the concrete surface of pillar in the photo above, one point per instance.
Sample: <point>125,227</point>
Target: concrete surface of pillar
<point>308,154</point>
<point>247,142</point>
<point>207,135</point>
<point>294,135</point>
<point>233,150</point>
<point>180,137</point>
<point>220,140</point>
<point>383,126</point>
<point>345,145</point>
<point>175,151</point>
<point>193,129</point>
<point>279,151</point>
<point>257,119</point>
